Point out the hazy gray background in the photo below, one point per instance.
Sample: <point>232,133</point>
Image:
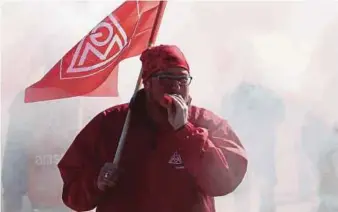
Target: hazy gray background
<point>288,47</point>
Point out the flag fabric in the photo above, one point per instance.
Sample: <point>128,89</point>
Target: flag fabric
<point>90,67</point>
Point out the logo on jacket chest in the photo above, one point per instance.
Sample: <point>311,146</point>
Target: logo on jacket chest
<point>176,161</point>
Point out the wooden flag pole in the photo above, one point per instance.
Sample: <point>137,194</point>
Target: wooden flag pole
<point>153,35</point>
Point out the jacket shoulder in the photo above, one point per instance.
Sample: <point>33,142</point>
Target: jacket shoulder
<point>205,118</point>
<point>117,109</point>
<point>115,113</point>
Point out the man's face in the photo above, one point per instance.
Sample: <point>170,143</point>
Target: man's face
<point>169,81</point>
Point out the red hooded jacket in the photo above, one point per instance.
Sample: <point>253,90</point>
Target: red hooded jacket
<point>163,171</point>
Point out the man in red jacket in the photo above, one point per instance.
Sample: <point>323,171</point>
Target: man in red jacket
<point>177,157</point>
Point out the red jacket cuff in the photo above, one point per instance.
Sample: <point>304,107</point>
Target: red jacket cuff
<point>189,130</point>
<point>191,141</point>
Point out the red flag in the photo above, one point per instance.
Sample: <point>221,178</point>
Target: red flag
<point>90,67</point>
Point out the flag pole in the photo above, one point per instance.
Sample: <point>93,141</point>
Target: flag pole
<point>153,35</point>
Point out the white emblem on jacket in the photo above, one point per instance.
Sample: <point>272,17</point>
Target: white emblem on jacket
<point>176,160</point>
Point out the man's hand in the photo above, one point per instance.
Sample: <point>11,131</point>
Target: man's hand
<point>178,114</point>
<point>108,176</point>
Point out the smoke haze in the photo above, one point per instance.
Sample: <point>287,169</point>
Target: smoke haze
<point>271,63</point>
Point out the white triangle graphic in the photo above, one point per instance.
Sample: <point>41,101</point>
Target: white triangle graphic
<point>175,159</point>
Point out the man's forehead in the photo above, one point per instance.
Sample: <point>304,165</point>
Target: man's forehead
<point>173,71</point>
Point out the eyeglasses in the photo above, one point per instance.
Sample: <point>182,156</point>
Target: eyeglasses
<point>182,80</point>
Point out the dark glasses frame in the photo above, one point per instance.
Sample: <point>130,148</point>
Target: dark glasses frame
<point>173,77</point>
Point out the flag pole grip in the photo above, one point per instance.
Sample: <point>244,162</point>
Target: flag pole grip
<point>153,35</point>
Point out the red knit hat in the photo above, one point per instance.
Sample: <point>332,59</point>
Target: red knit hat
<point>162,57</point>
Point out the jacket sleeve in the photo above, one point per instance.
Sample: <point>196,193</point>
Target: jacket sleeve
<point>79,169</point>
<point>214,156</point>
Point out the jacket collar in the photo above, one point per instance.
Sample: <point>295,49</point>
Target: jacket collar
<point>139,110</point>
